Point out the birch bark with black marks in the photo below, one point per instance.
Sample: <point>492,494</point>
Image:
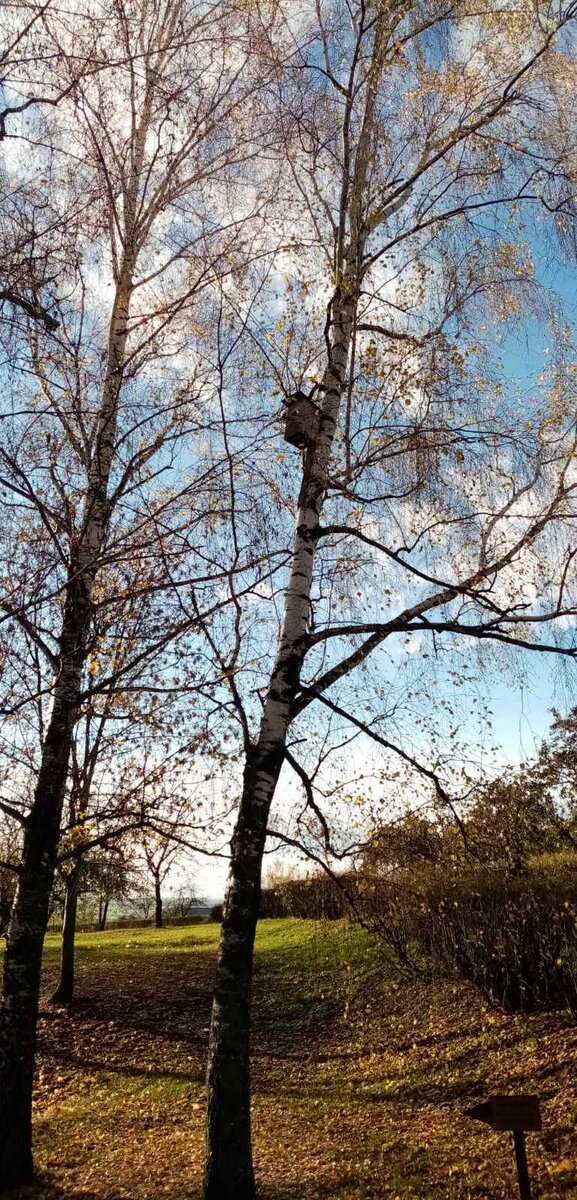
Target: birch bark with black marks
<point>229,1173</point>
<point>229,1170</point>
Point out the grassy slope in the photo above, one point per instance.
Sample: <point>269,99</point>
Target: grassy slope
<point>359,1084</point>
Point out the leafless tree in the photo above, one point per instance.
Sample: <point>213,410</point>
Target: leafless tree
<point>144,155</point>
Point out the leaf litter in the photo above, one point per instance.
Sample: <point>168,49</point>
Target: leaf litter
<point>359,1080</point>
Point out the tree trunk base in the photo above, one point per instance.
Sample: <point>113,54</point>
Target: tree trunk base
<point>16,1164</point>
<point>61,997</point>
<point>217,1190</point>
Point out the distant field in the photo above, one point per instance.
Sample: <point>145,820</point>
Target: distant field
<point>359,1083</point>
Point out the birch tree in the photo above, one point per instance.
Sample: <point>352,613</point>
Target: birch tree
<point>423,488</point>
<point>141,166</point>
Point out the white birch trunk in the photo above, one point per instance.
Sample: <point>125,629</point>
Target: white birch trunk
<point>229,1173</point>
<point>229,1170</point>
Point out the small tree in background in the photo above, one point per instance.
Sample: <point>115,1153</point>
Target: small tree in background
<point>107,876</point>
<point>159,855</point>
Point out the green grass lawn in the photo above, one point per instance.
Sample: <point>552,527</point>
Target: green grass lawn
<point>359,1082</point>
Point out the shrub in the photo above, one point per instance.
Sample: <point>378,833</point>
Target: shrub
<point>314,896</point>
<point>512,934</point>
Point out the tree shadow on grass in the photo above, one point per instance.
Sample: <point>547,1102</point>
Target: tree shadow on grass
<point>45,1189</point>
<point>83,1062</point>
<point>173,994</point>
<point>128,1006</point>
<point>328,1189</point>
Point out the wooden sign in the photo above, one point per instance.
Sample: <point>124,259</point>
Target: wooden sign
<point>519,1115</point>
<point>516,1113</point>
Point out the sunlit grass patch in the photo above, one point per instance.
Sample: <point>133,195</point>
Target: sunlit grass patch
<point>146,941</point>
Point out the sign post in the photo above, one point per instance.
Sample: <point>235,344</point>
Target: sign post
<point>519,1115</point>
<point>522,1168</point>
